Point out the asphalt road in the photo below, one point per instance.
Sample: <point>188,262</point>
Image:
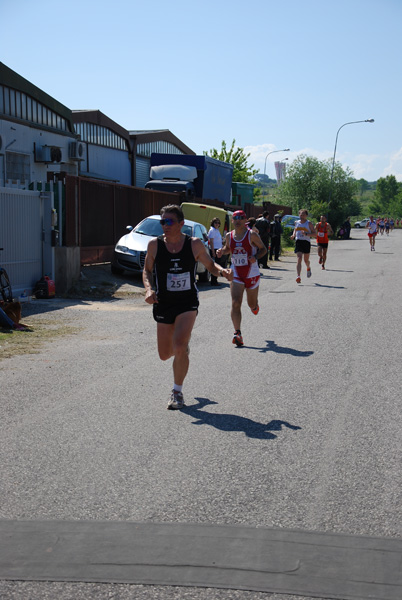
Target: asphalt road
<point>299,429</point>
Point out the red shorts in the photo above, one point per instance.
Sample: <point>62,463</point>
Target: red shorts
<point>249,282</point>
<point>371,234</point>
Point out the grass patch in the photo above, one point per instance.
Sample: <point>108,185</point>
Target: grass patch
<point>13,343</point>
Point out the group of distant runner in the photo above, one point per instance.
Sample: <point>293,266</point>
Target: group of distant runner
<point>379,226</point>
<point>169,278</point>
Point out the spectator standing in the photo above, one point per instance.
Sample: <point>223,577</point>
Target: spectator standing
<point>251,225</point>
<point>347,227</point>
<point>275,232</point>
<point>263,225</point>
<point>215,242</point>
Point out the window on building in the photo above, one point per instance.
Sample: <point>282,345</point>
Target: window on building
<point>18,166</point>
<point>18,104</point>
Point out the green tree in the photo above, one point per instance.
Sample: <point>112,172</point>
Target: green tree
<point>308,185</point>
<point>242,171</point>
<point>363,186</point>
<point>385,195</point>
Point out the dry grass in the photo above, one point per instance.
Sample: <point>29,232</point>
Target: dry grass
<point>13,343</point>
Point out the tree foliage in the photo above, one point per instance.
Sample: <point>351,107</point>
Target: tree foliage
<point>387,197</point>
<point>308,185</point>
<point>242,172</point>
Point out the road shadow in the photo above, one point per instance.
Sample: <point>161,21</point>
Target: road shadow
<point>332,287</point>
<point>230,422</point>
<point>273,347</point>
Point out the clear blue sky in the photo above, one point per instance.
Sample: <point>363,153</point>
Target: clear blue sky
<point>270,74</point>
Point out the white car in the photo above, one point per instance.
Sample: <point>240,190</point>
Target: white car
<point>362,223</point>
<point>130,250</point>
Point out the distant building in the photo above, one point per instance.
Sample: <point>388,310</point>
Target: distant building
<point>37,137</point>
<point>280,168</point>
<point>107,152</point>
<point>146,142</point>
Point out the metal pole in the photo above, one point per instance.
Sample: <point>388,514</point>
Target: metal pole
<point>333,160</point>
<point>272,152</point>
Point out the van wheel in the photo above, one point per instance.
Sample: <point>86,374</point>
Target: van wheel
<point>204,277</point>
<point>116,270</point>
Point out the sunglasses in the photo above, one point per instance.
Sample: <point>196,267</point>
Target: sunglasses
<point>168,222</point>
<point>238,218</point>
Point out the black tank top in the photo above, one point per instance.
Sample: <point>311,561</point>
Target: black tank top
<point>175,274</point>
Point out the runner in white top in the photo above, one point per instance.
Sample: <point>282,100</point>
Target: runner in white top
<point>303,232</point>
<point>372,232</point>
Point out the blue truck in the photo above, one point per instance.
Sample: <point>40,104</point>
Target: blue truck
<point>193,176</point>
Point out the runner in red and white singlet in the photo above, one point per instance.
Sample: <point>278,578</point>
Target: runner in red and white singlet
<point>246,249</point>
<point>244,271</point>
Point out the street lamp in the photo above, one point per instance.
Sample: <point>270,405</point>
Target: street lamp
<point>265,164</point>
<point>336,142</point>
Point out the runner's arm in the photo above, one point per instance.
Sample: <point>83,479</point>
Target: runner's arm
<point>201,255</point>
<point>147,273</point>
<point>226,248</point>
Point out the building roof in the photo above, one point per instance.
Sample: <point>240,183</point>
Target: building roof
<point>155,135</point>
<point>11,79</point>
<point>97,117</point>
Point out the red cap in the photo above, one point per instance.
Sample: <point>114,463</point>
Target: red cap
<point>240,213</point>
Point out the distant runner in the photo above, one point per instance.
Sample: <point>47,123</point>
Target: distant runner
<point>303,232</point>
<point>323,229</point>
<point>372,232</point>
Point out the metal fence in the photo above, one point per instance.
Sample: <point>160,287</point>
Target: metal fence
<point>25,236</point>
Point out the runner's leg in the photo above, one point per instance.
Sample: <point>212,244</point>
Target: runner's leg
<point>181,337</point>
<point>299,263</point>
<point>252,297</point>
<point>237,291</point>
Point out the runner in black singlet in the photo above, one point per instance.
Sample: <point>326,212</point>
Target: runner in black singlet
<point>175,298</point>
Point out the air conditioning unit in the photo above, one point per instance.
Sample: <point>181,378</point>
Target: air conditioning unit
<point>48,154</point>
<point>76,151</point>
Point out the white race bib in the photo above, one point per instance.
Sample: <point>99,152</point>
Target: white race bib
<point>178,282</point>
<point>320,234</point>
<point>240,260</point>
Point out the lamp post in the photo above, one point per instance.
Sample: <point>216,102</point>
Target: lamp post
<point>272,152</point>
<point>336,142</point>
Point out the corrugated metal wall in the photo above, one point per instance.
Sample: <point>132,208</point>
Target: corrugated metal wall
<point>25,236</point>
<point>142,167</point>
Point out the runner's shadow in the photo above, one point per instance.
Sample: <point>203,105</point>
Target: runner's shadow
<point>273,347</point>
<point>332,287</point>
<point>230,422</point>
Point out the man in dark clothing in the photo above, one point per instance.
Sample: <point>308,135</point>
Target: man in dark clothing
<point>263,227</point>
<point>276,232</point>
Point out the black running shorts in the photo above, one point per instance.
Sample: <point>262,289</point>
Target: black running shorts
<point>303,246</point>
<point>167,313</point>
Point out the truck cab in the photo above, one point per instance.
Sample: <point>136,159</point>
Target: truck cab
<point>173,178</point>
